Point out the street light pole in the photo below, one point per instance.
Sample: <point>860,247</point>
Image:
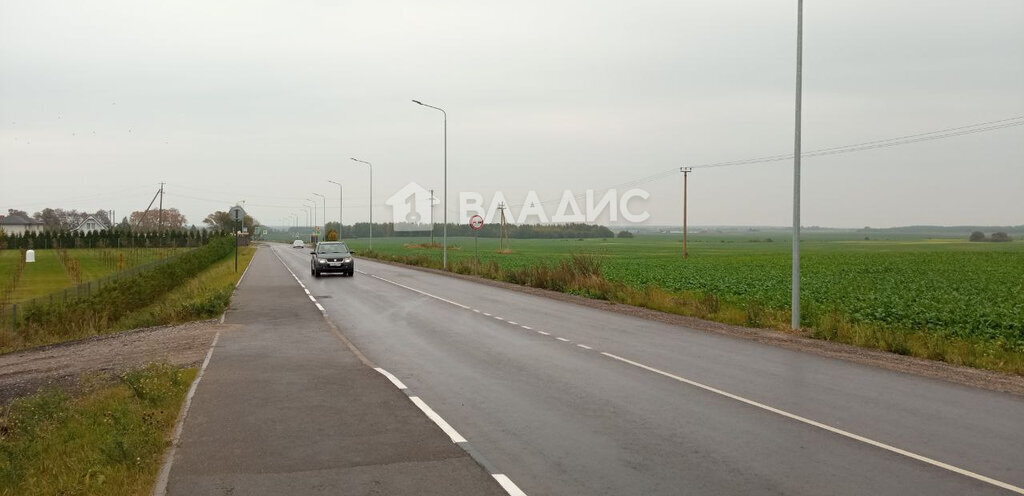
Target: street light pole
<point>686,175</point>
<point>340,195</point>
<point>314,211</point>
<point>325,213</point>
<point>444,229</point>
<point>796,164</point>
<point>371,197</point>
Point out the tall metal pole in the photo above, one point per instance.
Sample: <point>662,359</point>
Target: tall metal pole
<point>686,173</point>
<point>340,195</point>
<point>371,197</point>
<point>796,165</point>
<point>325,213</point>
<point>431,217</point>
<point>444,229</point>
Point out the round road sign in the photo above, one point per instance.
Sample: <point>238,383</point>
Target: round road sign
<point>476,222</point>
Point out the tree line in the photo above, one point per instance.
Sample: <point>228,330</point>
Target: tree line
<point>109,238</point>
<point>524,231</point>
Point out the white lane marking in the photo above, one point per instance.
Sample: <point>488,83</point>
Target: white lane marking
<point>312,299</point>
<point>319,306</point>
<point>424,293</point>
<point>165,470</point>
<point>510,487</point>
<point>394,380</point>
<point>544,333</point>
<point>562,339</point>
<point>475,310</point>
<point>585,347</point>
<point>513,323</point>
<point>452,433</point>
<point>487,314</point>
<point>826,427</point>
<point>499,318</point>
<point>306,290</point>
<point>528,328</point>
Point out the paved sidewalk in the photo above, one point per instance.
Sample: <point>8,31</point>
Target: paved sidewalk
<point>285,407</point>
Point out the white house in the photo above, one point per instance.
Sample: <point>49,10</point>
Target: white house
<point>91,224</point>
<point>18,225</point>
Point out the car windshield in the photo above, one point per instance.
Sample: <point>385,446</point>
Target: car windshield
<point>332,248</point>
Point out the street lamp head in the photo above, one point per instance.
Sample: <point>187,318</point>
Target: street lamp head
<point>417,102</point>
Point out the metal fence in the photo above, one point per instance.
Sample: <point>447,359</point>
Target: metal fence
<point>11,314</point>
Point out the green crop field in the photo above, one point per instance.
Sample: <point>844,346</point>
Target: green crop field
<point>945,287</point>
<point>49,273</point>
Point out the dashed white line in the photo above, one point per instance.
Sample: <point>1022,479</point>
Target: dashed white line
<point>486,314</point>
<point>513,323</point>
<point>475,310</point>
<point>544,333</point>
<point>528,328</point>
<point>508,485</point>
<point>394,380</point>
<point>311,298</point>
<point>822,426</point>
<point>499,318</point>
<point>562,339</point>
<point>585,347</point>
<point>452,433</point>
<point>321,308</point>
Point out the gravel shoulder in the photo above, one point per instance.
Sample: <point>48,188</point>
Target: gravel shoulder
<point>983,379</point>
<point>63,365</point>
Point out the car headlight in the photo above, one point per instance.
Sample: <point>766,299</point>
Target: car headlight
<point>322,260</point>
<point>347,259</point>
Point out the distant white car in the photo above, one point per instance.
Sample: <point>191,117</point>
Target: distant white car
<point>298,244</point>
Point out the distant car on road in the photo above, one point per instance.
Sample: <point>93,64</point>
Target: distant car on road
<point>298,244</point>
<point>332,256</point>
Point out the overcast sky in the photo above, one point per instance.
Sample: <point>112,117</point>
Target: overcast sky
<point>265,101</point>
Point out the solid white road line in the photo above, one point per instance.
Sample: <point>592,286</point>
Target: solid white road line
<point>452,433</point>
<point>394,380</point>
<point>510,487</point>
<point>165,471</point>
<point>424,293</point>
<point>826,427</point>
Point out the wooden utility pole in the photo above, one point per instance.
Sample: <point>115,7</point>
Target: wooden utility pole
<point>504,243</point>
<point>686,174</point>
<point>160,216</point>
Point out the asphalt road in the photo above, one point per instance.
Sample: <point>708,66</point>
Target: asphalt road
<point>566,399</point>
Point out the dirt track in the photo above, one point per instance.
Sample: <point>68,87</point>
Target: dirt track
<point>62,365</point>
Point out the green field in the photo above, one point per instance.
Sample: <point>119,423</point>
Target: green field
<point>940,287</point>
<point>49,273</point>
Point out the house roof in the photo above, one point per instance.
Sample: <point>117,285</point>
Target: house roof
<point>94,219</point>
<point>18,220</point>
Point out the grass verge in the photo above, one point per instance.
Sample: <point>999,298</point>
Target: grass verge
<point>107,441</point>
<point>196,285</point>
<point>581,274</point>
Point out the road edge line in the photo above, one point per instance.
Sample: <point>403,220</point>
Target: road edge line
<point>822,426</point>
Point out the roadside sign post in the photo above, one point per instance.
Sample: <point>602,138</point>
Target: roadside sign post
<point>237,215</point>
<point>476,222</point>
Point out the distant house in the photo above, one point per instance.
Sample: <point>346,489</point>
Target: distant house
<point>18,225</point>
<point>91,224</point>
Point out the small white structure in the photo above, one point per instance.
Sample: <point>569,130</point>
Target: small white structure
<point>30,256</point>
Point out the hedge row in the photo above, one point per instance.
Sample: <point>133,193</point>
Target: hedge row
<point>99,311</point>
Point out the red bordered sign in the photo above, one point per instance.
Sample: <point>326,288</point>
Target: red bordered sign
<point>476,222</point>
